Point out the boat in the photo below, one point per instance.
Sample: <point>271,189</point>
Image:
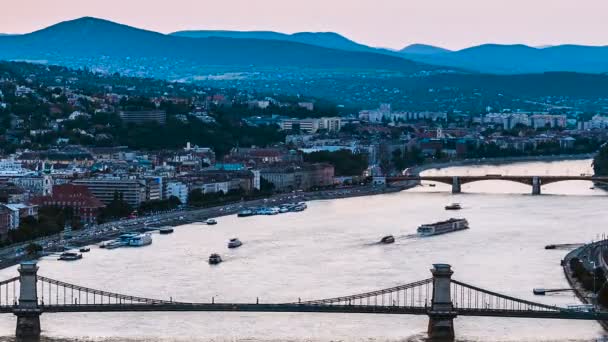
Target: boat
<point>283,210</point>
<point>432,185</point>
<point>115,244</point>
<point>166,230</point>
<point>245,213</point>
<point>443,227</point>
<point>210,222</point>
<point>234,243</point>
<point>299,207</point>
<point>387,239</point>
<point>70,256</point>
<point>85,250</point>
<point>140,240</point>
<point>215,259</point>
<point>453,206</point>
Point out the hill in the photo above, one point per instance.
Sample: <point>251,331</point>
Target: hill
<point>423,49</point>
<point>86,40</point>
<point>324,39</point>
<point>520,59</point>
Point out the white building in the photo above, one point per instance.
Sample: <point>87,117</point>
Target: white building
<point>177,189</point>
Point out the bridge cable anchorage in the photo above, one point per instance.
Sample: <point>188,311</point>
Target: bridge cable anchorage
<point>79,295</point>
<point>468,297</point>
<point>408,295</point>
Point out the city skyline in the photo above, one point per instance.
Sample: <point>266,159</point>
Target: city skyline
<point>385,23</point>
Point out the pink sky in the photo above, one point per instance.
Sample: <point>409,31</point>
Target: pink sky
<point>388,23</point>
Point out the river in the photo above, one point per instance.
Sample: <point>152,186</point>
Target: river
<point>329,250</point>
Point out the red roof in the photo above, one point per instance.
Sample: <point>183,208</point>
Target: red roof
<point>72,195</point>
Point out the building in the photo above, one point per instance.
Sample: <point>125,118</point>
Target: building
<point>20,211</point>
<point>177,189</point>
<point>154,188</point>
<point>77,197</point>
<point>141,116</point>
<point>133,191</point>
<point>299,177</point>
<point>304,125</point>
<point>5,221</point>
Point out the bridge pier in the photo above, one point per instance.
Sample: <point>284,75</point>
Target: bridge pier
<point>456,185</point>
<point>27,310</point>
<point>536,185</point>
<point>442,313</point>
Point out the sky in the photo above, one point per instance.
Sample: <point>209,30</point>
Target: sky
<point>453,24</point>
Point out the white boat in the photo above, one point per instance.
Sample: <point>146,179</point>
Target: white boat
<point>210,222</point>
<point>141,240</point>
<point>234,243</point>
<point>443,227</point>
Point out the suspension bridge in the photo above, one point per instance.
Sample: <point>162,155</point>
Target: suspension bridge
<point>440,297</point>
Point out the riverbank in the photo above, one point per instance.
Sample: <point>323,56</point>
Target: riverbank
<point>581,293</point>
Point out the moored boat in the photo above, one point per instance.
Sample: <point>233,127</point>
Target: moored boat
<point>245,213</point>
<point>70,256</point>
<point>443,227</point>
<point>140,240</point>
<point>165,230</point>
<point>210,222</point>
<point>85,249</point>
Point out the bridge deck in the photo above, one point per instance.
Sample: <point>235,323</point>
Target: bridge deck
<point>361,309</point>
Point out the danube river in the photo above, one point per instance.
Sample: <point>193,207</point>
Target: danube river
<point>329,250</point>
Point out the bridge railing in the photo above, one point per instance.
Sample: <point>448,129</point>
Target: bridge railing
<point>9,292</point>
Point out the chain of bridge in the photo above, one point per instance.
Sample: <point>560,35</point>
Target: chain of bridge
<point>412,298</point>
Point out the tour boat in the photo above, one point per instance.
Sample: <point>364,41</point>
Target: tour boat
<point>234,243</point>
<point>453,206</point>
<point>85,249</point>
<point>210,222</point>
<point>443,227</point>
<point>165,230</point>
<point>140,240</point>
<point>215,259</point>
<point>70,256</point>
<point>387,239</point>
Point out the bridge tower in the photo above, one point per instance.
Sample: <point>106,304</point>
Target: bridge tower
<point>441,313</point>
<point>536,182</point>
<point>27,310</point>
<point>456,185</point>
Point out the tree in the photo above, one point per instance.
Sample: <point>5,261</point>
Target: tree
<point>33,249</point>
<point>600,162</point>
<point>345,162</point>
<point>116,209</point>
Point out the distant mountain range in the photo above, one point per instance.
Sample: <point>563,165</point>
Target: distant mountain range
<point>83,40</point>
<point>90,38</point>
<point>324,39</point>
<point>520,59</point>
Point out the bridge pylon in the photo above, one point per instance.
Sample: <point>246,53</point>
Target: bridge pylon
<point>27,310</point>
<point>456,185</point>
<point>441,313</point>
<point>536,183</point>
